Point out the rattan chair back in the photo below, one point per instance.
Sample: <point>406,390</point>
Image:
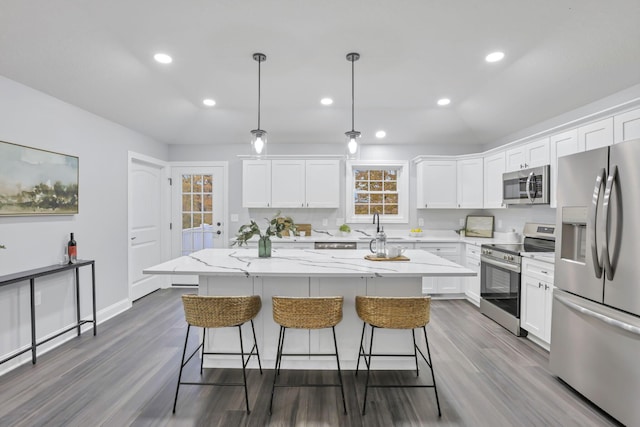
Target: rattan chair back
<point>220,311</point>
<point>307,313</point>
<point>394,312</point>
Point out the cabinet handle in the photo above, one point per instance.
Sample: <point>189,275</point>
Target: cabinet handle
<point>546,287</point>
<point>267,204</point>
<point>539,285</point>
<point>302,204</point>
<point>543,272</point>
<point>521,167</point>
<point>425,205</point>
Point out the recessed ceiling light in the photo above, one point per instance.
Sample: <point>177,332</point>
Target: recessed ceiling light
<point>209,102</point>
<point>494,57</point>
<point>163,58</point>
<point>444,101</point>
<point>326,101</point>
<point>381,134</point>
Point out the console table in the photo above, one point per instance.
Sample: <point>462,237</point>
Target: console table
<point>31,276</point>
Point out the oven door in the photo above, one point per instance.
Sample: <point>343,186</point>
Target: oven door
<point>500,284</point>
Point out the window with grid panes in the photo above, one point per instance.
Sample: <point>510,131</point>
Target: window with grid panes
<point>375,191</point>
<point>197,212</point>
<point>380,187</point>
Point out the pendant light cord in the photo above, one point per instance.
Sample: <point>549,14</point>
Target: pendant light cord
<point>352,96</point>
<point>259,64</point>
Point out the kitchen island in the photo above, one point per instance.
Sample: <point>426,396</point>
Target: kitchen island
<point>304,273</point>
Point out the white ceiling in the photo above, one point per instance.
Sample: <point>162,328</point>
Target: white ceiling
<point>98,55</point>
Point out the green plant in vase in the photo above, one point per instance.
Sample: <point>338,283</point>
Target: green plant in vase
<point>276,226</point>
<point>345,229</point>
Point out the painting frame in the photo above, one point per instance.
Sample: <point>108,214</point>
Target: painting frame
<point>37,182</point>
<point>479,226</point>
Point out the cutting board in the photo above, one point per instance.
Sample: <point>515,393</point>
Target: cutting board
<point>301,227</point>
<point>375,258</point>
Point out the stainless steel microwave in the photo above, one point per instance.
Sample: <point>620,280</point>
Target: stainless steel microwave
<point>526,186</point>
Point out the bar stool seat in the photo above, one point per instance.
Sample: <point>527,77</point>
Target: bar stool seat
<point>220,312</point>
<point>306,313</point>
<point>394,313</point>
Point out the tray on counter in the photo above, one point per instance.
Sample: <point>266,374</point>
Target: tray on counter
<point>375,258</point>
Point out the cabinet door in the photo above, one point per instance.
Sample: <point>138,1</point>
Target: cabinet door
<point>515,159</point>
<point>256,183</point>
<point>472,290</point>
<point>470,183</point>
<point>494,167</point>
<point>288,183</point>
<point>626,126</point>
<point>322,183</point>
<point>437,184</point>
<point>533,306</point>
<point>596,135</point>
<point>536,153</point>
<point>562,144</point>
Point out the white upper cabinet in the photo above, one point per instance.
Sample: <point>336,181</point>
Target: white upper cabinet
<point>322,183</point>
<point>626,126</point>
<point>288,183</point>
<point>562,144</point>
<point>256,183</point>
<point>470,183</point>
<point>529,155</point>
<point>436,184</point>
<point>494,167</point>
<point>291,183</point>
<point>596,135</point>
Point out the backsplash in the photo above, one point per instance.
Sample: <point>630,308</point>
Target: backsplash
<point>436,219</point>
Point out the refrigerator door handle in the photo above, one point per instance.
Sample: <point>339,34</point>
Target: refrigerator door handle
<point>529,187</point>
<point>606,256</point>
<point>606,319</point>
<point>593,216</point>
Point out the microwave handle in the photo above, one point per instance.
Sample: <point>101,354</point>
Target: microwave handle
<point>529,187</point>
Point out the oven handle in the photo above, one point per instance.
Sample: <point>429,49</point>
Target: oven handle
<point>506,266</point>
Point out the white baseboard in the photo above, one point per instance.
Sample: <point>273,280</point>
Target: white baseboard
<point>102,316</point>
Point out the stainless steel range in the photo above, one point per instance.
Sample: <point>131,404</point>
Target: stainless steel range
<point>500,268</point>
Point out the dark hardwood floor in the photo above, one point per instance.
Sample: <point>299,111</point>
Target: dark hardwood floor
<point>127,376</point>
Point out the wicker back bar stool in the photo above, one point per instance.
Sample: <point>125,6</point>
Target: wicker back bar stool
<point>306,313</point>
<point>394,313</point>
<point>220,312</point>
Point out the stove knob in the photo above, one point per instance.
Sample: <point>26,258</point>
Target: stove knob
<point>505,257</point>
<point>510,257</point>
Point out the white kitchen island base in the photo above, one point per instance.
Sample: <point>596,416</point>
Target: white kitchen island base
<point>309,273</point>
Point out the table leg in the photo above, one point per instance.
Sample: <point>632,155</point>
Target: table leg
<point>78,298</point>
<point>93,293</point>
<point>33,320</point>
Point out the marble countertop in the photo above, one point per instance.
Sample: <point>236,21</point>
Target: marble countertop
<point>307,263</point>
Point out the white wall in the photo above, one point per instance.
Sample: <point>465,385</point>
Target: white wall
<point>34,119</point>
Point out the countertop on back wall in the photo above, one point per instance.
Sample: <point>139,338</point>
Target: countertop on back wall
<point>435,236</point>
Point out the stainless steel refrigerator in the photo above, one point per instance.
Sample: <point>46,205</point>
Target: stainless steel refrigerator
<point>595,327</point>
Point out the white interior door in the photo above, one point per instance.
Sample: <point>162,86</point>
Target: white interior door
<point>199,216</point>
<point>148,210</point>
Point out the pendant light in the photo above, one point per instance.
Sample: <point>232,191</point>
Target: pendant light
<point>259,136</point>
<point>352,135</point>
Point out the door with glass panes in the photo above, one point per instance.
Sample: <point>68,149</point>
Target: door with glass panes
<point>198,211</point>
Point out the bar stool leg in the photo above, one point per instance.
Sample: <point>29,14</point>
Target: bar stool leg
<point>277,367</point>
<point>281,347</point>
<point>433,377</point>
<point>184,352</point>
<point>361,349</point>
<point>366,387</point>
<point>244,372</point>
<point>255,344</point>
<point>335,343</point>
<point>415,351</point>
<point>204,334</point>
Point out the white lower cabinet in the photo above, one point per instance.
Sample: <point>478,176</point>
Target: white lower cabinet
<point>442,285</point>
<point>536,300</point>
<point>472,262</point>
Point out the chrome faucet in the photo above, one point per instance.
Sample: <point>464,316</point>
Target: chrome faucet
<point>377,215</point>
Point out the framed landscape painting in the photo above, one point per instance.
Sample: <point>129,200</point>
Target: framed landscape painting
<point>37,182</point>
<point>479,226</point>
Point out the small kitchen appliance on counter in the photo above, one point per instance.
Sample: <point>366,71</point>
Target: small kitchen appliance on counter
<point>500,274</point>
